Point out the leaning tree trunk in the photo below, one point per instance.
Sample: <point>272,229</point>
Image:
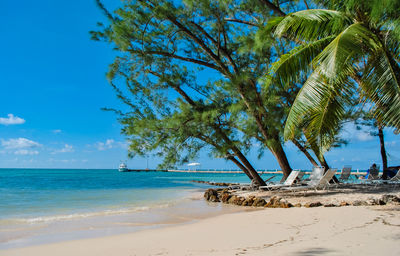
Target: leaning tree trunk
<point>305,152</point>
<point>383,153</point>
<point>245,164</point>
<point>249,167</point>
<point>280,155</point>
<point>324,163</point>
<point>241,166</point>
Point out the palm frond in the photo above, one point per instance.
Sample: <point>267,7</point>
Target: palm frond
<point>289,66</point>
<point>319,107</point>
<point>381,83</point>
<point>336,61</point>
<point>313,24</point>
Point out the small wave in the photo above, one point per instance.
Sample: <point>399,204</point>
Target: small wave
<point>53,218</point>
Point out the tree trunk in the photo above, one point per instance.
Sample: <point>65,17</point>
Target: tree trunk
<point>383,153</point>
<point>280,155</point>
<point>305,152</point>
<point>324,163</point>
<point>241,166</point>
<point>249,167</point>
<point>276,147</point>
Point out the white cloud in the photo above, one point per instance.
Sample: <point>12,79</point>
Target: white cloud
<point>350,132</point>
<point>364,136</point>
<point>66,149</point>
<point>11,119</point>
<point>67,160</point>
<point>109,144</point>
<point>26,152</point>
<point>105,145</point>
<point>56,131</point>
<point>19,143</point>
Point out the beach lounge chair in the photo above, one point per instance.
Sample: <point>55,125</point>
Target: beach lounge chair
<point>373,173</point>
<point>316,173</point>
<point>314,183</point>
<point>396,178</point>
<point>345,175</point>
<point>372,177</point>
<point>288,182</point>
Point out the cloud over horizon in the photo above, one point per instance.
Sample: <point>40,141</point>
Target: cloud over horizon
<point>105,145</point>
<point>20,146</point>
<point>66,149</point>
<point>26,152</point>
<point>109,144</point>
<point>19,143</point>
<point>11,119</point>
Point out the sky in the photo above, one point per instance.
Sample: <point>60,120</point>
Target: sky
<point>53,88</point>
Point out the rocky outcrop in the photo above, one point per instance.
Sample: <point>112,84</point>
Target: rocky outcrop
<point>211,195</point>
<point>330,205</point>
<point>390,199</point>
<point>359,203</point>
<point>259,202</point>
<point>228,197</point>
<point>220,184</point>
<point>277,202</point>
<point>313,204</point>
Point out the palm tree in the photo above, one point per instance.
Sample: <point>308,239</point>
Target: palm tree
<point>351,48</point>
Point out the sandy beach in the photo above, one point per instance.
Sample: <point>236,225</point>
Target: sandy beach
<point>296,231</point>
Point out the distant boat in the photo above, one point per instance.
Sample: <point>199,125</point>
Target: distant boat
<point>122,168</point>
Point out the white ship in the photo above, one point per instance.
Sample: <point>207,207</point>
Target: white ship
<point>122,168</point>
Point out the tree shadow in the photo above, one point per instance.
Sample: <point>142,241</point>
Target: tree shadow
<point>343,188</point>
<point>313,251</point>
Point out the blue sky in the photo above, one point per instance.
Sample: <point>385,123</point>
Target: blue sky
<point>53,87</point>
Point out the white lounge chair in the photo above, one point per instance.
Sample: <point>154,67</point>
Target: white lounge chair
<point>288,182</point>
<point>396,178</point>
<point>315,184</point>
<point>317,173</point>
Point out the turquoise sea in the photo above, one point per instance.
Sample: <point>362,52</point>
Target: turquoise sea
<point>45,205</point>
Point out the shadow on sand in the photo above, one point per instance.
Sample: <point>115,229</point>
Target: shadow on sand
<point>313,251</point>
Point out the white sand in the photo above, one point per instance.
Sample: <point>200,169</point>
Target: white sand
<point>295,231</point>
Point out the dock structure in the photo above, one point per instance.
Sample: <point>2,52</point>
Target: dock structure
<point>358,172</point>
<point>201,171</point>
<point>223,171</point>
<point>145,170</point>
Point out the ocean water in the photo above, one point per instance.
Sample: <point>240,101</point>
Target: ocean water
<point>46,205</point>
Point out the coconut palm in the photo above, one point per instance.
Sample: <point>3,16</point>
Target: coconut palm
<point>351,45</point>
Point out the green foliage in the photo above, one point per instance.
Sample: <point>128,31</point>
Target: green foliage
<point>351,42</point>
<point>165,47</point>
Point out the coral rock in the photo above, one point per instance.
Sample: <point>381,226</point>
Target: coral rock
<point>259,202</point>
<point>313,204</point>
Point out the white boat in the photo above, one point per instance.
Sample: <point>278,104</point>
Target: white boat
<point>122,168</point>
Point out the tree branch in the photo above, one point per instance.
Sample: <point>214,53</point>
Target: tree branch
<point>201,43</point>
<point>218,45</point>
<point>241,21</point>
<point>200,62</point>
<point>177,88</point>
<point>273,7</point>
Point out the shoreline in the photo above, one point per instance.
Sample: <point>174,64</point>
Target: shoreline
<point>49,230</point>
<point>296,231</point>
